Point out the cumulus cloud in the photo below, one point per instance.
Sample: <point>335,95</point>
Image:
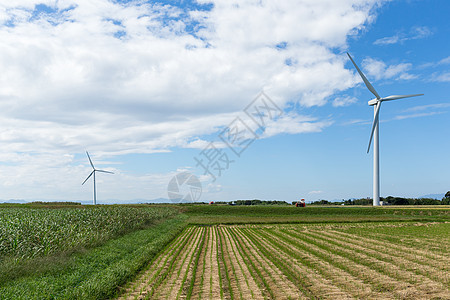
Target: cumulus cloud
<point>121,77</point>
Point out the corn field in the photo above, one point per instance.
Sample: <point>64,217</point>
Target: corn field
<point>28,233</point>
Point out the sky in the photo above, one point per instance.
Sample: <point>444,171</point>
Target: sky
<point>221,99</point>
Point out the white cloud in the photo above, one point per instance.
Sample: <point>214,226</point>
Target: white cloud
<point>344,101</point>
<point>440,77</point>
<point>418,115</point>
<point>142,78</point>
<point>417,32</point>
<point>379,70</point>
<point>423,111</point>
<point>427,107</point>
<point>292,123</point>
<point>315,192</point>
<point>213,188</point>
<point>445,60</point>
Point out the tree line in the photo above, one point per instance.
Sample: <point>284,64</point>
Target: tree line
<point>390,200</point>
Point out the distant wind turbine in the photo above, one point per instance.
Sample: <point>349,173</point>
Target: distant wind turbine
<point>376,103</point>
<point>93,173</point>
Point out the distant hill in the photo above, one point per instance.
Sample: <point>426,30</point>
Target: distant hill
<point>15,201</point>
<point>434,196</point>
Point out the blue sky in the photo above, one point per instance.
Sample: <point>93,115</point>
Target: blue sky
<point>146,86</point>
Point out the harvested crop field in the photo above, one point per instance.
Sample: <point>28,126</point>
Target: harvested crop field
<point>326,261</point>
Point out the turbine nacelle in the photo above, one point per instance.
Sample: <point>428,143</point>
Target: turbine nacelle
<point>373,102</point>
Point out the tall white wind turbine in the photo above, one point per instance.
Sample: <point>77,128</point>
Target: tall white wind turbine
<point>93,173</point>
<point>376,103</point>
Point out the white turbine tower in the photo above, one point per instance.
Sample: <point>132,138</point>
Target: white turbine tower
<point>93,173</point>
<point>376,103</point>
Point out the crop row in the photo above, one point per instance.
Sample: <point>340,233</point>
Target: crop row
<point>27,233</point>
<point>291,262</point>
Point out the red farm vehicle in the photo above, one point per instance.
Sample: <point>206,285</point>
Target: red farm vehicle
<point>300,203</point>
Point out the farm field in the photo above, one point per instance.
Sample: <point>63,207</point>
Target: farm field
<point>301,261</point>
<point>223,252</point>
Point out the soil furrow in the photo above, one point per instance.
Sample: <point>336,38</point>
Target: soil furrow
<point>403,260</point>
<point>200,279</point>
<point>417,255</point>
<point>379,288</point>
<point>406,283</point>
<point>317,285</point>
<point>325,261</point>
<point>249,288</point>
<point>278,283</point>
<point>342,278</point>
<point>170,286</point>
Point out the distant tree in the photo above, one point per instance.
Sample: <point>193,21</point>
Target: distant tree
<point>446,199</point>
<point>322,202</point>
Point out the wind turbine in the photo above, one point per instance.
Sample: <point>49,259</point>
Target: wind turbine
<point>93,173</point>
<point>376,103</point>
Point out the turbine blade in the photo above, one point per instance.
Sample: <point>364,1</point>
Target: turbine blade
<point>366,82</point>
<point>104,171</point>
<point>88,177</point>
<point>375,121</point>
<point>395,97</point>
<point>90,160</point>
